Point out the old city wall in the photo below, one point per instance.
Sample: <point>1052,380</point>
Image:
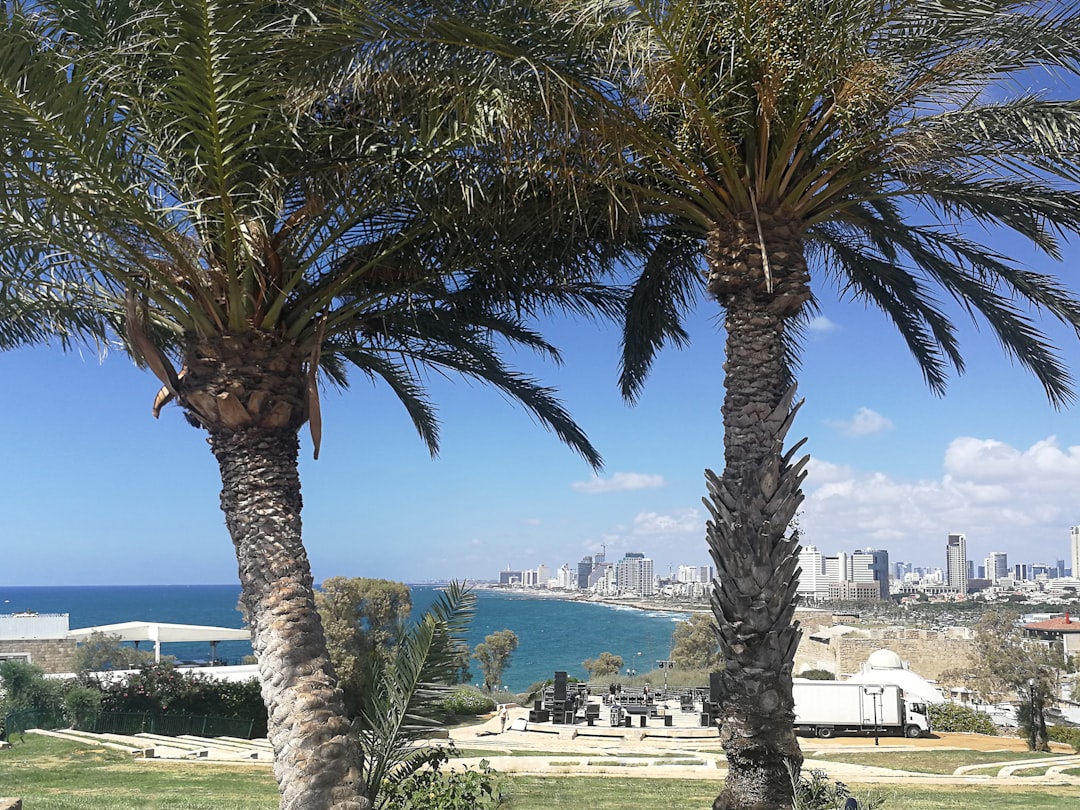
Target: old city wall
<point>49,655</point>
<point>928,652</point>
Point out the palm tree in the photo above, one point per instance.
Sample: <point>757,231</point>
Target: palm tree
<point>770,142</point>
<point>254,232</point>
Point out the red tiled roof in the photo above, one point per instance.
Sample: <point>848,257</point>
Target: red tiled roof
<point>1062,625</point>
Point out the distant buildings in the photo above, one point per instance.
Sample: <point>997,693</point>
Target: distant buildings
<point>861,575</point>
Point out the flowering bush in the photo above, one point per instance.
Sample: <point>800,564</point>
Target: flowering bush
<point>161,689</point>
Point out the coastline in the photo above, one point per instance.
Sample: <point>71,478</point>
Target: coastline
<point>636,603</point>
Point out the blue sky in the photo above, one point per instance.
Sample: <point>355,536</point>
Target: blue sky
<point>98,492</point>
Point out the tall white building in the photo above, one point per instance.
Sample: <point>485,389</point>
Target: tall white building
<point>634,574</point>
<point>813,584</point>
<point>956,567</point>
<point>1074,549</point>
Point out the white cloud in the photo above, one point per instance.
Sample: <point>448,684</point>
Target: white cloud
<point>531,521</point>
<point>653,524</point>
<point>1003,498</point>
<point>864,423</point>
<point>619,482</point>
<point>821,325</point>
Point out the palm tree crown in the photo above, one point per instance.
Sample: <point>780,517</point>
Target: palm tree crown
<point>772,142</point>
<point>263,191</point>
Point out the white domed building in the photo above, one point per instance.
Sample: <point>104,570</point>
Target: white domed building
<point>885,666</point>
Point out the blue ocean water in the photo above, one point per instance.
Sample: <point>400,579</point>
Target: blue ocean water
<point>554,634</point>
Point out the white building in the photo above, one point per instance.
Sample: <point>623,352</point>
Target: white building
<point>813,584</point>
<point>634,574</point>
<point>1074,551</point>
<point>956,562</point>
<point>566,579</point>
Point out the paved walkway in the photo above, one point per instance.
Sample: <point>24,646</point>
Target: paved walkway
<point>695,753</point>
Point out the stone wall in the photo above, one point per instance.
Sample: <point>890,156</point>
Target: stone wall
<point>927,652</point>
<point>50,655</point>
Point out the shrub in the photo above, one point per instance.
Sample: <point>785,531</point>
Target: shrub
<point>161,689</point>
<point>432,789</point>
<point>465,701</point>
<point>82,705</point>
<point>817,675</point>
<point>814,791</point>
<point>958,718</point>
<point>1069,735</point>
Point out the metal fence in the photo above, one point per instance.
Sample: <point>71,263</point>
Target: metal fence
<point>170,725</point>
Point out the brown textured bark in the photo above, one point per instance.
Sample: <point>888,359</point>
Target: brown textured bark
<point>248,391</point>
<point>752,505</point>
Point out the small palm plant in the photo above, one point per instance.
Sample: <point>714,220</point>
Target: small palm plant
<point>401,711</point>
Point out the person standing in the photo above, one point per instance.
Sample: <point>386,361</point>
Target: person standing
<point>502,717</point>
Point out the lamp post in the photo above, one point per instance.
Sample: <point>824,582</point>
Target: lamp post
<point>1031,710</point>
<point>875,693</point>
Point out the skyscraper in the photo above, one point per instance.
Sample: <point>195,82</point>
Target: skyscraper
<point>871,565</point>
<point>956,562</point>
<point>584,569</point>
<point>997,565</point>
<point>1074,547</point>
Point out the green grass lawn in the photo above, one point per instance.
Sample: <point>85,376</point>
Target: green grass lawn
<point>51,774</point>
<point>924,761</point>
<point>597,793</point>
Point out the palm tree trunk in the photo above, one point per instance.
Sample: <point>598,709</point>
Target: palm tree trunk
<point>248,391</point>
<point>752,505</point>
<point>316,759</point>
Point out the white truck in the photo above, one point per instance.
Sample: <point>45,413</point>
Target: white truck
<point>827,708</point>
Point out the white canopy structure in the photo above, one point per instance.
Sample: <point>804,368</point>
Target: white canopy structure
<point>159,632</point>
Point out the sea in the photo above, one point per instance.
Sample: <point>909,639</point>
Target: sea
<point>553,634</point>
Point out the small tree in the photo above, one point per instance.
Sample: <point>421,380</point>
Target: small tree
<point>603,665</point>
<point>101,653</point>
<point>695,644</point>
<point>493,655</point>
<point>1008,666</point>
<point>363,619</point>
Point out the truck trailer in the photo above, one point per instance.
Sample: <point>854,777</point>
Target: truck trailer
<point>827,708</point>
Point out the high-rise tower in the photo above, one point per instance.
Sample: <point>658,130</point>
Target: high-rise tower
<point>956,562</point>
<point>1074,548</point>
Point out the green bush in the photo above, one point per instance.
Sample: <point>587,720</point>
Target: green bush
<point>465,702</point>
<point>814,791</point>
<point>466,789</point>
<point>817,675</point>
<point>161,689</point>
<point>958,718</point>
<point>1069,735</point>
<point>82,705</point>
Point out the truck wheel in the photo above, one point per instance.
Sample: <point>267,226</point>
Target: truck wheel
<point>914,731</point>
<point>825,732</point>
